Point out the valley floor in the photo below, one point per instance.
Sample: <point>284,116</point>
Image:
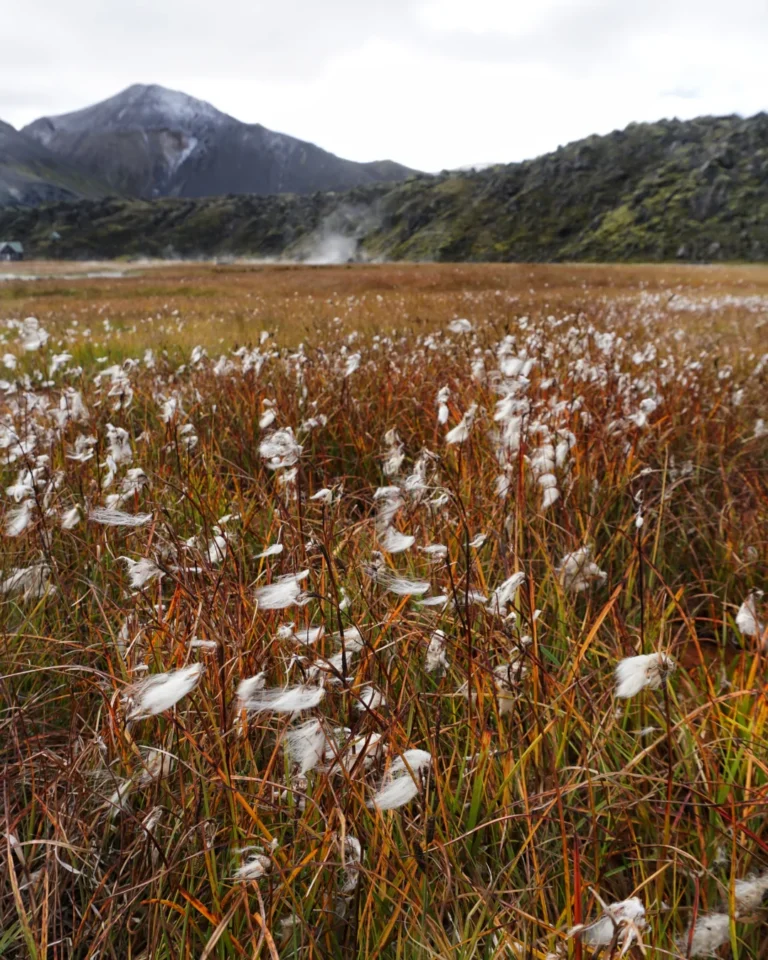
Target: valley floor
<point>383,612</point>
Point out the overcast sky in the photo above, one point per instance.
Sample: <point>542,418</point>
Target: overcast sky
<point>431,83</point>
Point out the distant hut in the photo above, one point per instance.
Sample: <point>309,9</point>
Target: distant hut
<point>11,250</point>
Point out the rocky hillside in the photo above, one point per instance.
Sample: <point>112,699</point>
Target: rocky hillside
<point>152,142</point>
<point>695,190</point>
<point>30,174</point>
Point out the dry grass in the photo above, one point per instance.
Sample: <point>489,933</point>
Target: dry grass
<point>540,798</point>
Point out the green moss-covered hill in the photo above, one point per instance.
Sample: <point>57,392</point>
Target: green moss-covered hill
<point>693,190</point>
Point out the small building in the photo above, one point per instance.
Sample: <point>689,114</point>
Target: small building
<point>11,250</point>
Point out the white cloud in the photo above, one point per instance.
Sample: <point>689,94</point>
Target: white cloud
<point>432,83</point>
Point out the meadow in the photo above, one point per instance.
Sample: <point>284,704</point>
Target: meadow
<point>383,612</point>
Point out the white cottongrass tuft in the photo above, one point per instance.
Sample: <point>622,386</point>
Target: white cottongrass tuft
<point>306,745</point>
<point>460,325</point>
<point>506,679</point>
<point>156,765</point>
<point>324,495</point>
<point>32,335</point>
<point>750,896</point>
<point>307,636</point>
<point>369,698</point>
<point>650,671</point>
<point>280,449</point>
<point>17,519</point>
<point>443,395</point>
<point>248,687</point>
<point>362,749</point>
<point>117,518</point>
<point>622,923</point>
<point>161,691</point>
<point>70,518</point>
<point>401,586</point>
<point>31,581</point>
<point>284,592</point>
<point>437,658</point>
<point>437,551</point>
<point>353,362</point>
<point>400,785</point>
<point>393,541</point>
<point>272,551</point>
<point>141,572</point>
<point>253,867</point>
<point>577,570</point>
<point>463,428</point>
<point>710,932</point>
<point>505,594</point>
<point>747,620</point>
<point>280,699</point>
<point>352,853</point>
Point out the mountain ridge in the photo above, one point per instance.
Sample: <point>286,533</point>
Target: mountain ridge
<point>694,190</point>
<point>148,141</point>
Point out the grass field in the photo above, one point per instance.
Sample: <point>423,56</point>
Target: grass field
<point>387,564</point>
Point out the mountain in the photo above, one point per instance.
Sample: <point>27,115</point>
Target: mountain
<point>152,142</point>
<point>30,174</point>
<point>695,190</point>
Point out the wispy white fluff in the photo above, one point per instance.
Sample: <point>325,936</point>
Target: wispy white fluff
<point>306,745</point>
<point>437,658</point>
<point>272,551</point>
<point>82,451</point>
<point>33,335</point>
<point>747,620</point>
<point>577,570</point>
<point>395,793</point>
<point>156,765</point>
<point>352,856</point>
<point>352,364</point>
<point>161,691</point>
<point>248,688</point>
<point>284,592</point>
<point>388,501</point>
<point>624,920</point>
<point>506,679</point>
<point>400,786</point>
<point>414,760</point>
<point>254,867</point>
<point>443,395</point>
<point>308,636</point>
<point>436,550</point>
<point>282,699</point>
<point>460,325</point>
<point>362,749</point>
<point>369,698</point>
<point>438,601</point>
<point>377,570</point>
<point>634,674</point>
<point>119,441</point>
<point>70,518</point>
<point>395,542</point>
<point>216,548</point>
<point>141,572</point>
<point>32,581</point>
<point>749,895</point>
<point>280,449</point>
<point>711,931</point>
<point>463,428</point>
<point>505,594</point>
<point>324,495</point>
<point>17,519</point>
<point>118,518</point>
